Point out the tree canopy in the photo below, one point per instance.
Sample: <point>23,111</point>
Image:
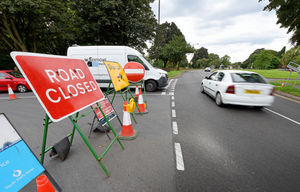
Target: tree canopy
<point>199,54</point>
<point>288,15</point>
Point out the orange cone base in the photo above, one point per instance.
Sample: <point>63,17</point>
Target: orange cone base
<point>43,184</point>
<point>12,97</point>
<point>129,137</point>
<point>141,109</point>
<point>128,133</point>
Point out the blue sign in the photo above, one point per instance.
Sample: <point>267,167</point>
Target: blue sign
<point>18,165</point>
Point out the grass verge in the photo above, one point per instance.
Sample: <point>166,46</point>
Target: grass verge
<point>274,73</point>
<point>173,74</point>
<point>287,89</point>
<point>291,82</point>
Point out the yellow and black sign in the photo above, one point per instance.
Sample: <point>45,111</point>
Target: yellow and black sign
<point>117,75</point>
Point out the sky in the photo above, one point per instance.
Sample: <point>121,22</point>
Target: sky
<point>232,27</point>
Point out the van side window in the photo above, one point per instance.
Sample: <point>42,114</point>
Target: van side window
<point>135,58</point>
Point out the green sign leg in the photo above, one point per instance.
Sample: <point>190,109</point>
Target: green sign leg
<point>46,121</point>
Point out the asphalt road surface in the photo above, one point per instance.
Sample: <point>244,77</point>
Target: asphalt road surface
<point>234,148</point>
<point>186,143</point>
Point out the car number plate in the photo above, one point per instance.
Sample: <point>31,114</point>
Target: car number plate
<point>252,91</point>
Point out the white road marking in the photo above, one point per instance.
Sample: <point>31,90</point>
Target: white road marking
<point>173,104</point>
<point>171,93</point>
<point>282,116</point>
<point>173,113</point>
<point>179,157</point>
<point>175,128</point>
<point>170,82</point>
<point>172,97</point>
<point>163,93</point>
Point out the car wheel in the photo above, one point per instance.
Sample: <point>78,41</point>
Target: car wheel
<point>151,86</point>
<point>219,100</point>
<point>201,88</point>
<point>22,88</point>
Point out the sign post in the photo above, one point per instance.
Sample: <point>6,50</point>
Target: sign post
<point>293,67</point>
<point>135,73</point>
<point>64,86</point>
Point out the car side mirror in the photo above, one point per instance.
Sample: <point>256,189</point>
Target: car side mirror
<point>8,77</point>
<point>206,77</point>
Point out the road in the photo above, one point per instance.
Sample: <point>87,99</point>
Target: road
<point>234,148</point>
<point>186,143</point>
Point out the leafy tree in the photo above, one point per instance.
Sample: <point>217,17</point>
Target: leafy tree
<point>291,55</point>
<point>266,60</point>
<point>200,54</point>
<point>176,49</point>
<point>281,52</point>
<point>36,25</point>
<point>225,60</point>
<point>288,15</point>
<point>164,34</point>
<point>115,22</point>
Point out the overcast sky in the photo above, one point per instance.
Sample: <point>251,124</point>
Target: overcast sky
<point>232,27</point>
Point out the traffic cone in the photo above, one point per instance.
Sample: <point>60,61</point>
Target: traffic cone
<point>141,105</point>
<point>43,184</point>
<point>11,94</point>
<point>282,84</point>
<point>136,93</point>
<point>127,133</point>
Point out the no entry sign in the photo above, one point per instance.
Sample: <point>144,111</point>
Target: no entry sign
<point>135,71</point>
<point>62,85</point>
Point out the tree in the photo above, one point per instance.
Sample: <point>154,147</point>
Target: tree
<point>42,25</point>
<point>115,22</point>
<point>200,54</point>
<point>288,15</point>
<point>266,60</point>
<point>225,60</point>
<point>164,34</point>
<point>176,49</point>
<point>291,55</point>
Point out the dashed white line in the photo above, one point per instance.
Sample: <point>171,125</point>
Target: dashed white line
<point>173,113</point>
<point>175,128</point>
<point>179,157</point>
<point>170,82</point>
<point>171,93</point>
<point>173,104</point>
<point>172,97</point>
<point>282,116</point>
<point>163,93</point>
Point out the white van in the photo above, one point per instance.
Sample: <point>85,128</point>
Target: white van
<point>95,55</point>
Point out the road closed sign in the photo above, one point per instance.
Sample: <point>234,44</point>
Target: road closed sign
<point>135,72</point>
<point>62,85</point>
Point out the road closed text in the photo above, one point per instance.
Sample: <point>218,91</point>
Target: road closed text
<point>71,89</point>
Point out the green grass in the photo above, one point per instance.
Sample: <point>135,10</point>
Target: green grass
<point>291,82</point>
<point>287,89</point>
<point>274,74</point>
<point>173,74</point>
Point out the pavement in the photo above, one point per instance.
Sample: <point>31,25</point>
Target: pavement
<point>146,164</point>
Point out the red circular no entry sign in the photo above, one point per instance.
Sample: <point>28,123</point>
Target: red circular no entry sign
<point>135,72</point>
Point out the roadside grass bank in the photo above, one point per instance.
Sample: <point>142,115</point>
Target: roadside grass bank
<point>174,73</point>
<point>274,73</point>
<point>291,82</point>
<point>286,89</point>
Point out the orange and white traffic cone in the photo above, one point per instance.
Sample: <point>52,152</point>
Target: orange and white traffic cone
<point>282,84</point>
<point>127,133</point>
<point>11,94</point>
<point>136,93</point>
<point>43,184</point>
<point>141,105</point>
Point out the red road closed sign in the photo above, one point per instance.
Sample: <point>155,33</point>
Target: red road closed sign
<point>62,85</point>
<point>135,72</point>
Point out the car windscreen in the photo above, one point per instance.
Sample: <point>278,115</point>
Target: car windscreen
<point>247,78</point>
<point>15,74</point>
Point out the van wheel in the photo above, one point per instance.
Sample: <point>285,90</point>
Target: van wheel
<point>151,85</point>
<point>22,88</point>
